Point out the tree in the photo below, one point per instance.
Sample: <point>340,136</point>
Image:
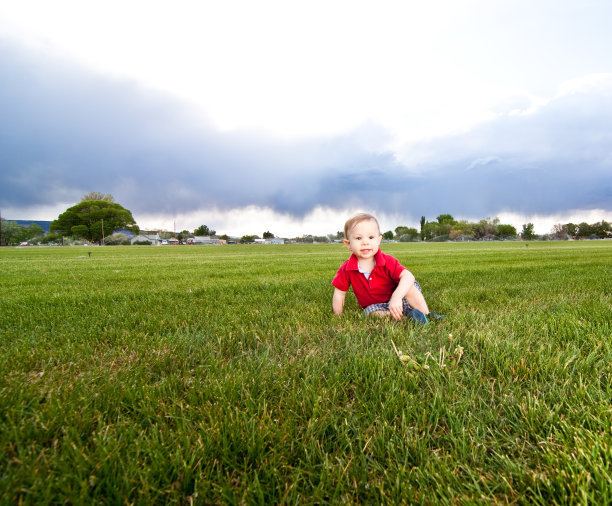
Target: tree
<point>430,230</point>
<point>486,228</point>
<point>584,230</point>
<point>80,231</point>
<point>463,228</point>
<point>246,239</point>
<point>183,235</point>
<point>12,232</point>
<point>268,235</point>
<point>93,219</point>
<point>203,230</point>
<point>35,230</point>
<point>446,219</point>
<point>388,235</point>
<point>423,228</point>
<point>559,232</point>
<point>506,231</point>
<point>401,230</point>
<point>98,196</point>
<point>601,229</point>
<point>408,235</point>
<point>52,238</point>
<point>527,232</point>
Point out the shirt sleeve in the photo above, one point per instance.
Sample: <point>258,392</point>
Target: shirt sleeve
<point>341,280</point>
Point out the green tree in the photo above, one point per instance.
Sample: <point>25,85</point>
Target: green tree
<point>52,238</point>
<point>527,232</point>
<point>446,219</point>
<point>409,235</point>
<point>34,230</point>
<point>388,235</point>
<point>12,233</point>
<point>203,230</point>
<point>246,239</point>
<point>80,231</point>
<point>584,230</point>
<point>268,235</point>
<point>401,230</point>
<point>506,231</point>
<point>430,230</point>
<point>601,229</point>
<point>93,219</point>
<point>183,235</point>
<point>486,228</point>
<point>463,229</point>
<point>423,228</point>
<point>572,229</point>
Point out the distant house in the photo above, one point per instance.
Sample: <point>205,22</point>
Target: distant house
<point>173,241</point>
<point>274,240</point>
<point>206,240</point>
<point>154,239</point>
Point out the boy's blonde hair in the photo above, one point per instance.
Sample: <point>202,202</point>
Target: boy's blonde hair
<point>358,218</point>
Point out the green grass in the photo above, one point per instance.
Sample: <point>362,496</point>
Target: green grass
<point>219,375</point>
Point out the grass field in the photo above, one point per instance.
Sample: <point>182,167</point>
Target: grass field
<point>219,375</point>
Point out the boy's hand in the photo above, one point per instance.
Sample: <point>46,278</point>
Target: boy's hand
<point>396,307</point>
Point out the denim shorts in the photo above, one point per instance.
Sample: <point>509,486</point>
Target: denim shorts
<point>384,306</point>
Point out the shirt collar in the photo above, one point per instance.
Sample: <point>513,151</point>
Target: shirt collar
<point>353,264</point>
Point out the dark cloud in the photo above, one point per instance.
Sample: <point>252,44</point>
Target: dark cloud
<point>65,132</point>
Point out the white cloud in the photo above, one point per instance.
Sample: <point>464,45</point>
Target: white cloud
<point>543,223</point>
<point>487,160</point>
<point>251,220</point>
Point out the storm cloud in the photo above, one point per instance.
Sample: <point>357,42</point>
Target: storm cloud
<point>66,131</point>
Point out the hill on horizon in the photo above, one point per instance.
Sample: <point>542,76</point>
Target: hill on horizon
<point>25,223</point>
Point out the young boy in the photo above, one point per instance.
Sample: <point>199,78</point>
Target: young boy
<point>381,284</point>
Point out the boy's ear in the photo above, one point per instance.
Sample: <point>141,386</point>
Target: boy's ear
<point>347,243</point>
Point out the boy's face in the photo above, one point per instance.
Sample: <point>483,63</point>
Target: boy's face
<point>364,240</point>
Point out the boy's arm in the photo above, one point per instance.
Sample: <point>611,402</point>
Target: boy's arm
<point>338,301</point>
<point>406,283</point>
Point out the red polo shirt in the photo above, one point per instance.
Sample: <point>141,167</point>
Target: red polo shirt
<point>381,285</point>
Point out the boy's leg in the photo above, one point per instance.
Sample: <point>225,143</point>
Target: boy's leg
<point>377,309</point>
<point>416,300</point>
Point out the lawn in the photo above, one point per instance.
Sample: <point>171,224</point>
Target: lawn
<point>218,374</point>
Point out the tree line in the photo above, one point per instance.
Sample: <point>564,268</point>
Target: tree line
<point>446,228</point>
<point>97,217</point>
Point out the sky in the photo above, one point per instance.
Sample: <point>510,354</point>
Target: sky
<point>289,116</point>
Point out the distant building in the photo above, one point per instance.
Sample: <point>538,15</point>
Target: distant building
<point>154,239</point>
<point>274,240</point>
<point>206,240</point>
